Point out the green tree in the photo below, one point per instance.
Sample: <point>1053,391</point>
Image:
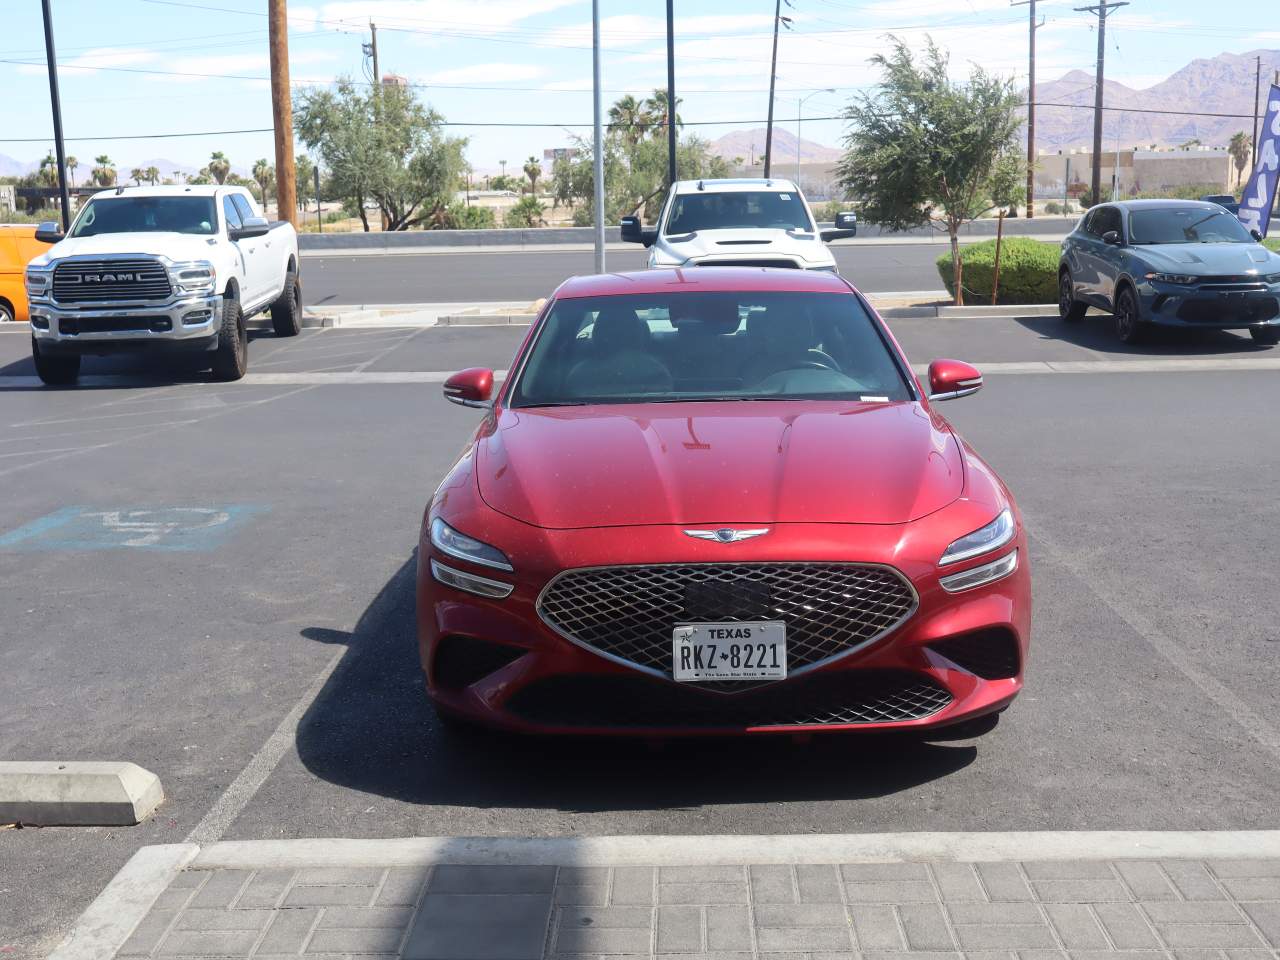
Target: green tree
<point>922,149</point>
<point>137,175</point>
<point>656,116</point>
<point>1241,153</point>
<point>627,119</point>
<point>1008,184</point>
<point>72,163</point>
<point>459,216</point>
<point>533,170</point>
<point>104,174</point>
<point>219,167</point>
<point>47,175</point>
<point>153,175</point>
<point>304,172</point>
<point>527,212</point>
<point>382,145</point>
<point>264,175</point>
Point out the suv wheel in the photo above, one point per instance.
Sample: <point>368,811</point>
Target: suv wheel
<point>1069,308</point>
<point>1268,336</point>
<point>1129,327</point>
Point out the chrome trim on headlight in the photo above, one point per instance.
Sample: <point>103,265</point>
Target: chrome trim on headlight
<point>980,576</point>
<point>469,582</point>
<point>457,544</point>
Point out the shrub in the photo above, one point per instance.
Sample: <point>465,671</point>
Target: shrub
<point>1272,243</point>
<point>527,212</point>
<point>1028,270</point>
<point>1053,208</point>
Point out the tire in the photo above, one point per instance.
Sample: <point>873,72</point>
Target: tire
<point>1069,308</point>
<point>1267,336</point>
<point>231,358</point>
<point>1128,324</point>
<point>6,313</point>
<point>55,371</point>
<point>286,311</point>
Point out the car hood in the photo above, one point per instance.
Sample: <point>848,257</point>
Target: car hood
<point>1209,259</point>
<point>721,463</point>
<point>175,246</point>
<point>712,245</point>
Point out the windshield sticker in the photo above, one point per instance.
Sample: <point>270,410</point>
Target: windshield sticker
<point>785,196</point>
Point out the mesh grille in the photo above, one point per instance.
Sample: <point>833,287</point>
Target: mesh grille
<point>841,697</point>
<point>630,612</point>
<point>990,654</point>
<point>93,281</point>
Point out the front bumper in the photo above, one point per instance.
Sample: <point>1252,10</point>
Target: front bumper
<point>496,662</point>
<point>1179,305</point>
<point>189,323</point>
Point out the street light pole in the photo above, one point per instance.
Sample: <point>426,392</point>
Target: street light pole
<point>597,158</point>
<point>56,102</point>
<point>671,93</point>
<point>799,112</point>
<point>1101,10</point>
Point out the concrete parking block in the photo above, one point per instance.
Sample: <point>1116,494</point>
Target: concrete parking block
<point>58,793</point>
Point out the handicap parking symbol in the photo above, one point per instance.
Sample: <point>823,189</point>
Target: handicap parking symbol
<point>146,528</point>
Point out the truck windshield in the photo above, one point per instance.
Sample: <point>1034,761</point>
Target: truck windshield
<point>769,209</point>
<point>1186,225</point>
<point>146,215</point>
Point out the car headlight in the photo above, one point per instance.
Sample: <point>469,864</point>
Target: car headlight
<point>1180,278</point>
<point>979,576</point>
<point>448,540</point>
<point>199,278</point>
<point>827,268</point>
<point>38,282</point>
<point>983,540</point>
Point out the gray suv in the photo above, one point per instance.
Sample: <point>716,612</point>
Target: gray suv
<point>1177,263</point>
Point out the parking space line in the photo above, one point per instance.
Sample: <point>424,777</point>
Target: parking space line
<point>378,356</point>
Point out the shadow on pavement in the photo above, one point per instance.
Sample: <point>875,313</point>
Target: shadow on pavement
<point>1095,332</point>
<point>371,729</point>
<point>150,369</point>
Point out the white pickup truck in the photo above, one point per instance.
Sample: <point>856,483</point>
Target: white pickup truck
<point>175,268</point>
<point>738,223</point>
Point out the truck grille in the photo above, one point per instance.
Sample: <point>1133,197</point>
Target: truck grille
<point>628,613</point>
<point>102,281</point>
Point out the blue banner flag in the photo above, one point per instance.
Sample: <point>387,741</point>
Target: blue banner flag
<point>1260,192</point>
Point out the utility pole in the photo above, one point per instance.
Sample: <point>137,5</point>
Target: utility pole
<point>373,44</point>
<point>671,93</point>
<point>778,21</point>
<point>1100,10</point>
<point>56,103</point>
<point>1257,92</point>
<point>597,142</point>
<point>319,210</point>
<point>1031,105</point>
<point>282,112</point>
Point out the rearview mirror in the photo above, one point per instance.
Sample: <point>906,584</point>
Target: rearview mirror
<point>470,388</point>
<point>49,232</point>
<point>1111,238</point>
<point>252,227</point>
<point>952,379</point>
<point>633,232</point>
<point>1256,234</point>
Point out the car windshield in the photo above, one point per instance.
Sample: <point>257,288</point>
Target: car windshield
<point>737,210</point>
<point>1185,225</point>
<point>146,215</point>
<point>708,346</point>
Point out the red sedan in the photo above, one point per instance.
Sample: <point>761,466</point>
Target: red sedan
<point>719,501</point>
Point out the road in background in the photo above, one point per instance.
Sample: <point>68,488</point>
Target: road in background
<point>267,670</point>
<point>443,277</point>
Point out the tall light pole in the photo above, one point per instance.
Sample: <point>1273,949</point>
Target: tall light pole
<point>56,102</point>
<point>671,92</point>
<point>597,157</point>
<point>799,113</point>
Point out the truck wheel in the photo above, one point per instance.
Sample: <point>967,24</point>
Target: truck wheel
<point>6,313</point>
<point>231,358</point>
<point>55,371</point>
<point>286,312</point>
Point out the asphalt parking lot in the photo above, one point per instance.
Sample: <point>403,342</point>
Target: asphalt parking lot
<point>215,581</point>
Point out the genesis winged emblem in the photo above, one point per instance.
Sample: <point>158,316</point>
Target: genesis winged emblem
<point>726,534</point>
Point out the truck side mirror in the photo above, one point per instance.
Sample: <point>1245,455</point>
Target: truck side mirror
<point>49,232</point>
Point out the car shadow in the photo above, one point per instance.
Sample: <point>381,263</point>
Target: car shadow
<point>372,729</point>
<point>148,369</point>
<point>1095,333</point>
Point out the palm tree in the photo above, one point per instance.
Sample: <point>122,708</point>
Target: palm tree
<point>263,173</point>
<point>137,175</point>
<point>219,167</point>
<point>627,117</point>
<point>1241,153</point>
<point>104,174</point>
<point>72,163</point>
<point>657,115</point>
<point>532,170</point>
<point>48,172</point>
<point>153,175</point>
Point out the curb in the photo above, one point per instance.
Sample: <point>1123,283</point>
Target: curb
<point>50,793</point>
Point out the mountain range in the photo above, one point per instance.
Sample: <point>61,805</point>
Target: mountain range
<point>749,145</point>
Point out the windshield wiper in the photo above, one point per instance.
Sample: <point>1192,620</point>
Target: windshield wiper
<point>555,403</point>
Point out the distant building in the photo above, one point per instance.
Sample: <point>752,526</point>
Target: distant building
<point>395,80</point>
<point>550,156</point>
<point>8,200</point>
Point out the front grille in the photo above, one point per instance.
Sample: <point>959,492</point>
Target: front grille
<point>1231,310</point>
<point>629,613</point>
<point>853,696</point>
<point>71,326</point>
<point>98,281</point>
<point>989,654</point>
<point>788,264</point>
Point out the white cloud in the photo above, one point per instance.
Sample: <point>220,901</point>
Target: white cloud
<point>438,16</point>
<point>238,64</point>
<point>485,73</point>
<point>93,60</point>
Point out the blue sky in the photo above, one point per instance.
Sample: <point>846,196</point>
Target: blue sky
<point>529,61</point>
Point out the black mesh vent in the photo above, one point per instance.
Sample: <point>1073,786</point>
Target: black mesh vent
<point>990,654</point>
<point>461,661</point>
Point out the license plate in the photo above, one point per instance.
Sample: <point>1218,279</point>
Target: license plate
<point>730,651</point>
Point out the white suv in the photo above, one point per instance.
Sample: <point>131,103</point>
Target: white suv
<point>744,223</point>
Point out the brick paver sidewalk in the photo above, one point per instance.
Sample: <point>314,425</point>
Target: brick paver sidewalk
<point>1080,909</point>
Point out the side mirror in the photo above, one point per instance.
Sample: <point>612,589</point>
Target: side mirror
<point>252,227</point>
<point>633,232</point>
<point>1253,233</point>
<point>951,379</point>
<point>49,232</point>
<point>848,220</point>
<point>1111,238</point>
<point>470,388</point>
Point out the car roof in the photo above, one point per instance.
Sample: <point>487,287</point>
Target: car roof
<point>702,280</point>
<point>171,190</point>
<point>1155,203</point>
<point>734,185</point>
